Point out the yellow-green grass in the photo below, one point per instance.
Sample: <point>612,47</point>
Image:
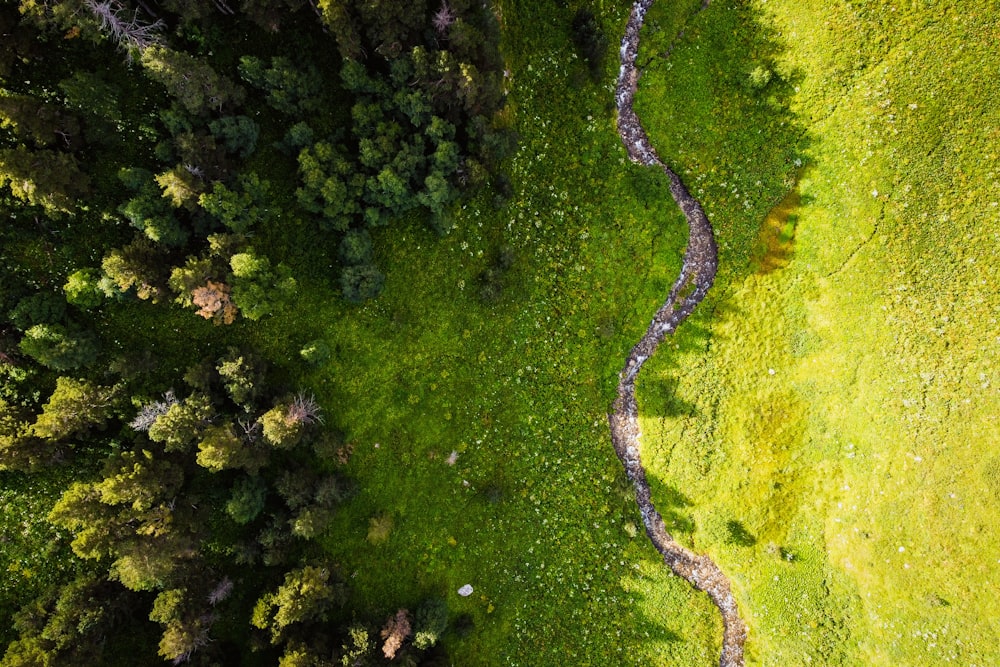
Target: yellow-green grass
<point>841,412</point>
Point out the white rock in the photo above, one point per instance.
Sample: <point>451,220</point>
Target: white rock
<point>465,591</point>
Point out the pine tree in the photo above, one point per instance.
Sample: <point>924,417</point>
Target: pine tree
<point>41,123</point>
<point>74,407</point>
<point>45,178</point>
<point>139,266</point>
<point>306,594</point>
<point>58,347</point>
<point>182,423</point>
<point>82,289</point>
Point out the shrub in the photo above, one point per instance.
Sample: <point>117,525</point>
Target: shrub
<point>360,283</point>
<point>379,528</point>
<point>315,353</point>
<point>82,288</point>
<point>759,77</point>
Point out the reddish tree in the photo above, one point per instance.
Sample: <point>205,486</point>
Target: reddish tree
<point>395,632</point>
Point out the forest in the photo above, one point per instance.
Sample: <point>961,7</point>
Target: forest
<point>160,162</point>
<point>312,314</point>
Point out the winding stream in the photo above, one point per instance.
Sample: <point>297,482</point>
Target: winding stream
<point>696,277</point>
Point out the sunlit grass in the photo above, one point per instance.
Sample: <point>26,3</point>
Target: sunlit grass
<point>842,406</point>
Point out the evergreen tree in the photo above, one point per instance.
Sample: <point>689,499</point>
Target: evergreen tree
<point>238,134</point>
<point>306,594</point>
<point>39,308</point>
<point>45,178</point>
<point>291,90</point>
<point>257,289</point>
<point>195,273</point>
<point>331,185</point>
<point>41,123</point>
<point>431,622</point>
<point>315,353</point>
<point>82,288</point>
<point>181,186</point>
<point>139,481</point>
<point>242,208</point>
<point>281,429</point>
<point>58,347</point>
<point>198,87</point>
<point>355,247</point>
<point>221,449</point>
<point>246,500</point>
<point>139,266</point>
<point>63,627</point>
<point>148,211</point>
<point>362,282</point>
<point>74,407</point>
<point>94,525</point>
<point>241,376</point>
<point>183,423</point>
<point>19,449</point>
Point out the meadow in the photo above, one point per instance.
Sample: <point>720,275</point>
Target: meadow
<point>832,430</point>
<point>820,426</point>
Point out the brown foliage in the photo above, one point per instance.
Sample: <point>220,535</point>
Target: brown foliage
<point>395,632</point>
<point>214,303</point>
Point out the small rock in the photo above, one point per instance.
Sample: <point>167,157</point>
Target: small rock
<point>465,591</point>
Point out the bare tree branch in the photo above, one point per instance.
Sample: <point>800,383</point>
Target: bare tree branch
<point>127,31</point>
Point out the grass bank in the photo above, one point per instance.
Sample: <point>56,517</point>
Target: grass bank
<point>831,422</point>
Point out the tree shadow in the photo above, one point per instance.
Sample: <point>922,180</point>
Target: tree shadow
<point>776,240</point>
<point>715,99</point>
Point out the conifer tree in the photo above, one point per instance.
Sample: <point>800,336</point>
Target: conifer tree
<point>74,407</point>
<point>190,79</point>
<point>45,178</point>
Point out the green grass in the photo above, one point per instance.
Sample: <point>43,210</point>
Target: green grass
<point>533,513</point>
<point>831,402</point>
<point>842,405</point>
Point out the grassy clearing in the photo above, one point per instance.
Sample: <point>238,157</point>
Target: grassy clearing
<point>534,513</point>
<point>831,423</point>
<point>821,426</point>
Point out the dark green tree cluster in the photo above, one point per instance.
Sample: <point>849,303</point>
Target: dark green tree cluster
<point>427,88</point>
<point>198,489</point>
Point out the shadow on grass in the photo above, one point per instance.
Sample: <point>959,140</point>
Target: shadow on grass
<point>715,101</point>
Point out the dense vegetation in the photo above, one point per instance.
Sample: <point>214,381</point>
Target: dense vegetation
<point>178,154</point>
<point>312,314</point>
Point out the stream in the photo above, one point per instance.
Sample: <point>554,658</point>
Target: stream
<point>696,277</point>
